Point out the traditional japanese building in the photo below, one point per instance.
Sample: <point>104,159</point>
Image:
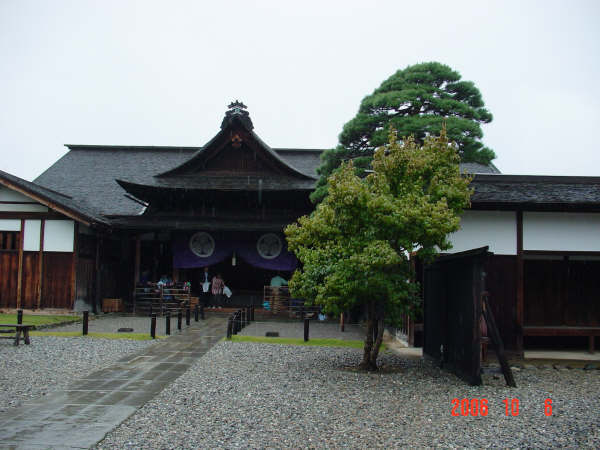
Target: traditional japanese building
<point>102,217</point>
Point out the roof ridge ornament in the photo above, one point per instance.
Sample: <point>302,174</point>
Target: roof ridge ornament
<point>237,110</point>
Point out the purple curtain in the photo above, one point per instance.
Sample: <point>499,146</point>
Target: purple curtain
<point>244,246</point>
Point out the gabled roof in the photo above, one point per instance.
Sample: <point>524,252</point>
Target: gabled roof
<point>87,173</point>
<point>236,128</point>
<point>54,200</point>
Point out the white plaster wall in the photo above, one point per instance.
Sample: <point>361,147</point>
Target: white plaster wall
<point>10,224</point>
<point>561,231</point>
<point>8,195</point>
<point>496,229</point>
<point>31,242</point>
<point>29,207</point>
<point>59,235</point>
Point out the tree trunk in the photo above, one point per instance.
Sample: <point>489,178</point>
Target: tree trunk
<point>364,365</point>
<point>377,344</point>
<point>374,337</point>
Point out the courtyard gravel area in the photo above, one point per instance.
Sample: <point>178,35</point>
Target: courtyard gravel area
<point>317,330</point>
<point>247,395</point>
<point>50,363</point>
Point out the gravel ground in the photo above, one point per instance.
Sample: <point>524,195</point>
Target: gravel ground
<point>296,330</point>
<point>243,395</point>
<point>50,363</point>
<point>110,323</point>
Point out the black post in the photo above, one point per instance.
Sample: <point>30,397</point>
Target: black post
<point>196,311</point>
<point>243,317</point>
<point>150,309</point>
<point>179,317</point>
<point>153,326</point>
<point>306,322</point>
<point>252,313</point>
<point>202,312</point>
<point>168,323</point>
<point>229,327</point>
<point>187,316</point>
<point>20,316</point>
<point>237,319</point>
<point>85,322</point>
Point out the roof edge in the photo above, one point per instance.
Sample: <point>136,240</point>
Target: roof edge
<point>554,179</point>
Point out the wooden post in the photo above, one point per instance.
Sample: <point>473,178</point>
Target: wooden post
<point>202,312</point>
<point>591,344</point>
<point>196,313</point>
<point>98,299</point>
<point>137,259</point>
<point>179,317</point>
<point>520,284</point>
<point>41,265</point>
<point>168,323</point>
<point>19,316</point>
<point>229,327</point>
<point>85,322</point>
<point>497,340</point>
<point>342,322</point>
<point>153,326</point>
<point>187,315</point>
<point>306,325</point>
<point>20,268</point>
<point>74,262</point>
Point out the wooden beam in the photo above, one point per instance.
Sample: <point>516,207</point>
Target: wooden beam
<point>520,284</point>
<point>74,262</point>
<point>20,268</point>
<point>40,265</point>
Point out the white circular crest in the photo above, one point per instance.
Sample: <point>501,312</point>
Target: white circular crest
<point>269,246</point>
<point>202,244</point>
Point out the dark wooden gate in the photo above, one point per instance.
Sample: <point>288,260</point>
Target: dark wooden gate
<point>452,312</point>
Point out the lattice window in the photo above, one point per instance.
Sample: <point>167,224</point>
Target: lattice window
<point>9,240</point>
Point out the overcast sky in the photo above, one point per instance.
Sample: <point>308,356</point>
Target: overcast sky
<point>162,73</point>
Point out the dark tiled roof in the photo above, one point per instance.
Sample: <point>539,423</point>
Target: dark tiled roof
<point>536,191</point>
<point>88,172</point>
<point>222,183</point>
<point>474,168</point>
<point>65,204</point>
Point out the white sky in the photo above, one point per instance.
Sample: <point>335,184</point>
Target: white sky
<point>162,73</point>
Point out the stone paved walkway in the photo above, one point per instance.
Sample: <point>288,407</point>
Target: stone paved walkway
<point>80,416</point>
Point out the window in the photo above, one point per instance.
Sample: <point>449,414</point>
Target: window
<point>9,240</point>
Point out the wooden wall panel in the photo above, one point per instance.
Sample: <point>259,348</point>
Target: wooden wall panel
<point>31,280</point>
<point>544,287</point>
<point>86,278</point>
<point>501,283</point>
<point>562,292</point>
<point>56,283</point>
<point>582,306</point>
<point>9,268</point>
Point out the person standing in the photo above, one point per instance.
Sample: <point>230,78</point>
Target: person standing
<point>205,287</point>
<point>217,286</point>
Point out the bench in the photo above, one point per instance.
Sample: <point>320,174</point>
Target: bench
<point>19,329</point>
<point>590,332</point>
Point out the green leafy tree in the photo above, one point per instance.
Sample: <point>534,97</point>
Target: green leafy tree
<point>414,101</point>
<point>355,247</point>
